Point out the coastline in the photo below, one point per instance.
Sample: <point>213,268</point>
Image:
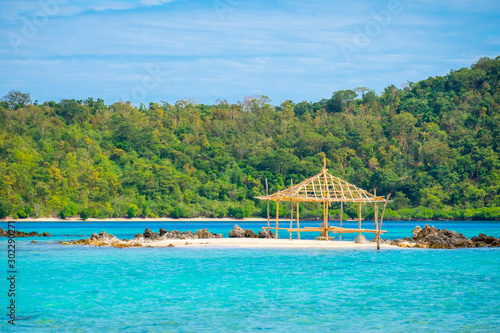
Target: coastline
<point>254,243</point>
<point>121,219</point>
<point>247,243</point>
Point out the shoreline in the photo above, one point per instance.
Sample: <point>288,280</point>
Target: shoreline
<point>255,243</point>
<point>245,243</point>
<point>206,219</point>
<point>121,219</point>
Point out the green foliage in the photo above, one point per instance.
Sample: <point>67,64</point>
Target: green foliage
<point>85,214</point>
<point>133,211</point>
<point>242,210</point>
<point>69,211</point>
<point>178,212</point>
<point>432,143</point>
<point>16,99</point>
<point>5,208</point>
<point>23,212</point>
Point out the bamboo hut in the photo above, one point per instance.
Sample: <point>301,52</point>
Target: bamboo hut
<point>326,189</point>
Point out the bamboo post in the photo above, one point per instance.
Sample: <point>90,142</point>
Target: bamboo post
<point>341,213</point>
<point>327,224</point>
<point>324,220</point>
<point>375,207</point>
<point>360,217</point>
<point>291,208</point>
<point>267,195</point>
<point>298,225</point>
<point>381,220</point>
<point>277,215</point>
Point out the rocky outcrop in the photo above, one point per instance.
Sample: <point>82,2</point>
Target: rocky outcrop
<point>104,237</point>
<point>431,237</point>
<point>415,232</point>
<point>5,233</point>
<point>266,234</point>
<point>148,234</point>
<point>485,241</point>
<point>360,239</point>
<point>175,234</point>
<point>237,232</point>
<point>162,232</point>
<point>205,234</point>
<point>250,234</point>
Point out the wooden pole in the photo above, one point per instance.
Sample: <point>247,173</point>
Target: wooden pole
<point>341,213</point>
<point>298,225</point>
<point>267,194</point>
<point>360,217</point>
<point>326,224</point>
<point>277,217</point>
<point>376,210</point>
<point>324,220</point>
<point>291,208</point>
<point>381,220</point>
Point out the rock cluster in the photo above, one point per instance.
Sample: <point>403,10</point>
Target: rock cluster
<point>360,239</point>
<point>485,241</point>
<point>431,237</point>
<point>239,232</point>
<point>175,234</point>
<point>5,233</point>
<point>102,239</point>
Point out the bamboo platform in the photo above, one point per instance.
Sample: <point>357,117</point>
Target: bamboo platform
<point>326,189</point>
<point>335,230</point>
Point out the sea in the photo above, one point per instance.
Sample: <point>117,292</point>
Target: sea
<point>62,288</point>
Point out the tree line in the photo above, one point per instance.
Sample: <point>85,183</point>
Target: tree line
<point>434,144</point>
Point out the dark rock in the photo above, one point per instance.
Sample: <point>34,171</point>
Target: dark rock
<point>485,241</point>
<point>5,233</point>
<point>187,235</point>
<point>148,234</point>
<point>103,237</point>
<point>34,242</point>
<point>426,231</point>
<point>237,232</point>
<point>176,234</point>
<point>444,239</point>
<point>250,234</point>
<point>163,232</point>
<point>203,234</point>
<point>138,236</point>
<point>266,234</point>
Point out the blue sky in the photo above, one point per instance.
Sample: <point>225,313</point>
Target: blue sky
<point>165,50</point>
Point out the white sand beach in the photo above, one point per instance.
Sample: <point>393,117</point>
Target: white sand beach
<point>264,243</point>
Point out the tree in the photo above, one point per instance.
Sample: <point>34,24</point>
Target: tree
<point>17,99</point>
<point>132,211</point>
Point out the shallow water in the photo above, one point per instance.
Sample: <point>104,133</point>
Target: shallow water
<point>86,289</point>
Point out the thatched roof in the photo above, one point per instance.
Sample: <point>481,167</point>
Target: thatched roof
<point>324,188</point>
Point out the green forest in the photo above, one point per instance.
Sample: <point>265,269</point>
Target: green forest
<point>434,145</point>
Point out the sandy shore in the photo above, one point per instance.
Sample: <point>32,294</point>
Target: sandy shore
<point>162,219</point>
<point>264,243</point>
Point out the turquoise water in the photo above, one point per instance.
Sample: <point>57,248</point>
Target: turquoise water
<point>85,289</point>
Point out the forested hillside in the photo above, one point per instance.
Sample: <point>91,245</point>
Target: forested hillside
<point>433,144</point>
